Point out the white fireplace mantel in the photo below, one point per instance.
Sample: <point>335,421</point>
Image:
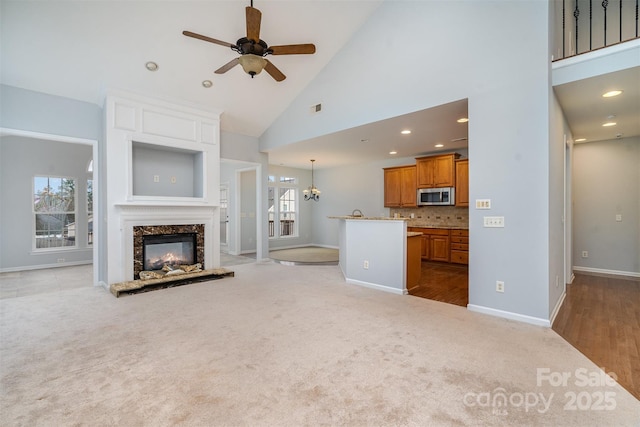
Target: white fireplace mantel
<point>132,216</point>
<point>141,190</point>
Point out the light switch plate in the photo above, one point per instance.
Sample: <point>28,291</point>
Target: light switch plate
<point>483,203</point>
<point>494,221</point>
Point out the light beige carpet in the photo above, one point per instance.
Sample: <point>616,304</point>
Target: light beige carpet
<point>286,346</point>
<point>307,255</point>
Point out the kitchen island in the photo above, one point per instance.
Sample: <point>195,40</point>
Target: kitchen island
<point>374,252</point>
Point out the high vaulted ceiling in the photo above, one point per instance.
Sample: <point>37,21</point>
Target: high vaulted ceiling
<point>79,49</point>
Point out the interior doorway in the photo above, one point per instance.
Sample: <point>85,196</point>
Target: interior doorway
<point>224,218</point>
<point>242,211</point>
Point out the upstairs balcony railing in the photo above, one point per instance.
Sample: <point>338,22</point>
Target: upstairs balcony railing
<point>586,25</point>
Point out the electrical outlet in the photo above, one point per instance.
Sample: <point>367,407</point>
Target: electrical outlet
<point>499,286</point>
<point>585,254</point>
<point>156,178</point>
<point>365,265</point>
<point>618,218</point>
<point>173,180</point>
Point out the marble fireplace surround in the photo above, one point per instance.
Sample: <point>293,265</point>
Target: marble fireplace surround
<point>139,231</point>
<point>163,219</point>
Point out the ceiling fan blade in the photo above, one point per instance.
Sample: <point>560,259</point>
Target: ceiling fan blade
<point>253,23</point>
<point>293,49</point>
<point>207,39</point>
<point>274,72</point>
<point>226,67</point>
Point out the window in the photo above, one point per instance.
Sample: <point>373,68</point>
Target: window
<point>282,213</point>
<point>54,209</point>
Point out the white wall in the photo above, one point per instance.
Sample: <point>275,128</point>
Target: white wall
<point>607,183</point>
<point>503,67</point>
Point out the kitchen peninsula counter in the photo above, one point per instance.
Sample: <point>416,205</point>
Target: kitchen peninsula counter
<point>373,251</point>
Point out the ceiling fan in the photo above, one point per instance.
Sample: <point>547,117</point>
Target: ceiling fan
<point>253,50</point>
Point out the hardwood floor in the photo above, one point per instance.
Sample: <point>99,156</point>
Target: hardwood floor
<point>601,318</point>
<point>443,282</point>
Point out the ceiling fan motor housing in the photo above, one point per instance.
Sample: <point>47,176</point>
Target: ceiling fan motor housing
<point>246,46</point>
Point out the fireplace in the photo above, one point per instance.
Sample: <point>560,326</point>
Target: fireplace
<point>168,249</point>
<point>157,245</point>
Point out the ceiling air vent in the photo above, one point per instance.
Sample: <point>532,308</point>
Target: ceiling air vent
<point>314,109</point>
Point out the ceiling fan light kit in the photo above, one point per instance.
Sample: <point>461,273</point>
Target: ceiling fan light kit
<point>252,49</point>
<point>252,64</point>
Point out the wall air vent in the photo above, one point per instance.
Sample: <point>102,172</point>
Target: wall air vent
<point>314,109</point>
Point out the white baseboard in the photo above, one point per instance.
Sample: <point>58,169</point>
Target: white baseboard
<point>378,287</point>
<point>571,279</point>
<point>609,272</point>
<point>44,266</point>
<point>556,310</point>
<point>510,315</point>
<point>304,245</point>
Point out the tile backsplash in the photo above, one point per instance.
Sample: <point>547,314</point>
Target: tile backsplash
<point>434,216</point>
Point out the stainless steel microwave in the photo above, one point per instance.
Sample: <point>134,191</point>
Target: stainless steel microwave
<point>436,196</point>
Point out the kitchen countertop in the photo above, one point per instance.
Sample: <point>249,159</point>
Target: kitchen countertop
<point>447,227</point>
<point>370,218</point>
<point>413,233</point>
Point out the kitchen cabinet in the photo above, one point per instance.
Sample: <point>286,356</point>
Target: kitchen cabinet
<point>435,243</point>
<point>436,171</point>
<point>413,261</point>
<point>462,182</point>
<point>400,187</point>
<point>460,246</point>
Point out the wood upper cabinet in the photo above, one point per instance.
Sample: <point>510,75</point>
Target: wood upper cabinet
<point>436,171</point>
<point>462,182</point>
<point>400,187</point>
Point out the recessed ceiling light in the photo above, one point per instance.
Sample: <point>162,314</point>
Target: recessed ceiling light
<point>393,152</point>
<point>207,83</point>
<point>580,140</point>
<point>462,120</point>
<point>606,125</point>
<point>611,93</point>
<point>406,132</point>
<point>151,66</point>
<point>439,145</point>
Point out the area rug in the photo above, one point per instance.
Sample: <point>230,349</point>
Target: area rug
<point>306,255</point>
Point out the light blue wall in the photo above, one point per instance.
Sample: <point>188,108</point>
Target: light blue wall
<point>39,112</point>
<point>30,111</point>
<point>21,159</point>
<point>607,183</point>
<point>503,68</point>
<point>243,152</point>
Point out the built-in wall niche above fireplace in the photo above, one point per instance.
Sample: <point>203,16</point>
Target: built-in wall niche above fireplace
<point>163,171</point>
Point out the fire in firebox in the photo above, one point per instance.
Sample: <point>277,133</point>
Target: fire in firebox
<point>169,250</point>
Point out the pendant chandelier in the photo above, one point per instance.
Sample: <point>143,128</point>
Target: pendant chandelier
<point>312,193</point>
